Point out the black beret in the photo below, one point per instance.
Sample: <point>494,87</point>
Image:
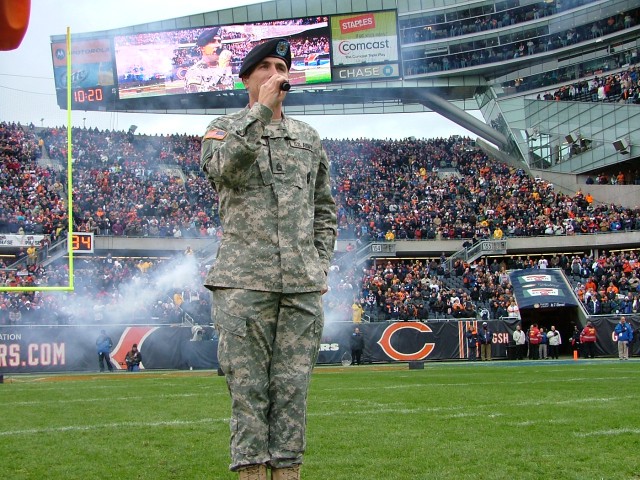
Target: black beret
<point>276,47</point>
<point>207,36</point>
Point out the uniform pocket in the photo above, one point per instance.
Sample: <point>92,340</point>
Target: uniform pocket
<point>231,323</point>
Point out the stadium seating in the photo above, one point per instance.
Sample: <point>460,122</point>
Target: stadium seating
<point>409,189</point>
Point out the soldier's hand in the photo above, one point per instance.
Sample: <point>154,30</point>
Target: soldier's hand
<point>271,95</point>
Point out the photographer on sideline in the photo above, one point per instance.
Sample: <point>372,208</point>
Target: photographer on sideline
<point>133,359</point>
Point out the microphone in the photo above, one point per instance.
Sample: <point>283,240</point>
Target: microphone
<point>285,86</point>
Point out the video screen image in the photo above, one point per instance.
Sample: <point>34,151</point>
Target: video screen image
<point>208,59</point>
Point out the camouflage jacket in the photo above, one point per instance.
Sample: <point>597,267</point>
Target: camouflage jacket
<point>276,209</point>
<point>201,77</point>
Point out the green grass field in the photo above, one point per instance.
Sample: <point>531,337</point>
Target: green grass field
<point>498,420</point>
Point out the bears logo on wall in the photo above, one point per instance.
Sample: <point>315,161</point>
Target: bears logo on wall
<point>401,342</point>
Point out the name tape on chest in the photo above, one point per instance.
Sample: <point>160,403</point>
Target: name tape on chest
<point>215,135</point>
<point>304,145</point>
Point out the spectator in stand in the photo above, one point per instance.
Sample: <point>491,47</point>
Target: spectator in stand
<point>357,311</point>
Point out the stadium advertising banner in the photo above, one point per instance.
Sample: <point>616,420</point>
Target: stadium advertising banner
<point>208,59</point>
<point>14,240</point>
<point>410,341</point>
<point>92,78</point>
<point>70,348</point>
<point>32,349</point>
<point>365,46</point>
<point>541,289</point>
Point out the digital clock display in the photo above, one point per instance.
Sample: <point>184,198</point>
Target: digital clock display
<point>82,242</point>
<point>91,74</point>
<point>88,95</point>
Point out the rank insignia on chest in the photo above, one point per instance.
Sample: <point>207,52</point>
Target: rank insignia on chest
<point>215,135</point>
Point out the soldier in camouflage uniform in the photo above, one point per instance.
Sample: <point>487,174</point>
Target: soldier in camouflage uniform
<point>279,220</point>
<point>213,71</point>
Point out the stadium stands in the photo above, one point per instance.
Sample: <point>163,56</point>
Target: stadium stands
<point>126,185</point>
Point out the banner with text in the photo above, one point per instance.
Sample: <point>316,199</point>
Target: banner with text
<point>14,241</point>
<point>365,40</point>
<point>58,349</point>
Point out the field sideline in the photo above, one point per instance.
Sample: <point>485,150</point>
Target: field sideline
<point>453,420</point>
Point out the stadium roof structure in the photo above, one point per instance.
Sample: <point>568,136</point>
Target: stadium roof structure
<point>396,56</point>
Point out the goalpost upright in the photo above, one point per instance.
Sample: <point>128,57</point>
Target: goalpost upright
<point>70,286</point>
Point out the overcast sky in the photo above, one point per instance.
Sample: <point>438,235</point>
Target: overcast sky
<point>27,92</point>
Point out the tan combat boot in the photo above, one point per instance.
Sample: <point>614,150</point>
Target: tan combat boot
<point>253,472</point>
<point>287,473</point>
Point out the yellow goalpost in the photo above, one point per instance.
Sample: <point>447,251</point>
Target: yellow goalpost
<point>69,287</point>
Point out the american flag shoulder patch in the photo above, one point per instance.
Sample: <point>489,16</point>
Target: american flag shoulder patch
<point>215,135</point>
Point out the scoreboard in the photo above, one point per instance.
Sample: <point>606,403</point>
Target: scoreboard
<point>92,79</point>
<point>116,71</point>
<point>82,242</point>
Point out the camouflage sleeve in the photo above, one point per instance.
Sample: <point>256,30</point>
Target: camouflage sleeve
<point>231,145</point>
<point>325,220</point>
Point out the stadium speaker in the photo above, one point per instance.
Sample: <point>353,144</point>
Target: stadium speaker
<point>571,138</point>
<point>14,20</point>
<point>621,145</point>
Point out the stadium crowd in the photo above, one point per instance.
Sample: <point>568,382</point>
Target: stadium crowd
<point>423,289</point>
<point>477,20</point>
<point>623,87</point>
<point>385,190</point>
<point>514,45</point>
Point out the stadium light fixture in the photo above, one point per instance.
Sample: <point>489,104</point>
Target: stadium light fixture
<point>622,146</point>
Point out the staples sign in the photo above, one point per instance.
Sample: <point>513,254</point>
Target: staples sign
<point>358,23</point>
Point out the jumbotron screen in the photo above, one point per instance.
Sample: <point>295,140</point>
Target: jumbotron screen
<point>194,67</point>
<point>207,59</point>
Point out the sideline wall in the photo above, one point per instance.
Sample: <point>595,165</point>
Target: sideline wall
<point>33,349</point>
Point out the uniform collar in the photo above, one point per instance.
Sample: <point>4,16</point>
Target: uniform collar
<point>283,129</point>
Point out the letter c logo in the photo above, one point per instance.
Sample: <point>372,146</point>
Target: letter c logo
<point>385,341</point>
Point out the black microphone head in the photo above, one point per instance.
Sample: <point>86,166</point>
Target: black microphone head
<point>285,86</point>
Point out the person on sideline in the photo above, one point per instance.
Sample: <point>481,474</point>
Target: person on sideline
<point>624,332</point>
<point>543,347</point>
<point>485,337</point>
<point>553,336</point>
<point>588,337</point>
<point>520,339</point>
<point>104,345</point>
<point>576,342</point>
<point>133,359</point>
<point>472,343</point>
<point>279,225</point>
<point>357,346</point>
<point>534,342</point>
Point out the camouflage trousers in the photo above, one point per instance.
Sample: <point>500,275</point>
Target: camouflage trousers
<point>268,344</point>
